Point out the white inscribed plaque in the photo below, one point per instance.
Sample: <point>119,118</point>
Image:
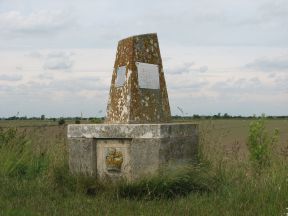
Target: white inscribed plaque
<point>121,76</point>
<point>148,75</point>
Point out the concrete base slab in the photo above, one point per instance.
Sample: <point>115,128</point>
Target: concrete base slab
<point>129,151</point>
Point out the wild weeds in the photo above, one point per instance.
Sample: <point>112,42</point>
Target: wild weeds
<point>20,161</point>
<point>17,156</point>
<point>260,144</point>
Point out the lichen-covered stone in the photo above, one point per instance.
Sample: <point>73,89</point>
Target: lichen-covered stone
<point>130,103</point>
<point>137,138</point>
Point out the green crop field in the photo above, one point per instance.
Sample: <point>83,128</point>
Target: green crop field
<point>35,180</point>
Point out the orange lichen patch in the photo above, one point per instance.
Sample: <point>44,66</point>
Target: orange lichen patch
<point>130,103</point>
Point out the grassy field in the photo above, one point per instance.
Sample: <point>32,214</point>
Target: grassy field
<point>34,176</point>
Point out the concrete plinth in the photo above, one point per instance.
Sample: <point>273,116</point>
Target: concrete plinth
<point>129,151</point>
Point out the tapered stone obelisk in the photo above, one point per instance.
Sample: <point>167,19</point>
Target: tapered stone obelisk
<point>137,138</point>
<point>138,91</point>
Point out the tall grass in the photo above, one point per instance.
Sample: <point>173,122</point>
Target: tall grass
<point>171,182</point>
<point>35,180</point>
<point>17,156</point>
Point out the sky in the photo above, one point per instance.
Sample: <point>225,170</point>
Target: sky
<point>57,56</point>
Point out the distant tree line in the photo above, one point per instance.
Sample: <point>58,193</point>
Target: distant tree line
<point>60,120</point>
<point>78,119</point>
<point>225,116</point>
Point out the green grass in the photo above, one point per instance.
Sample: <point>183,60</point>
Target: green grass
<point>171,183</point>
<point>35,180</point>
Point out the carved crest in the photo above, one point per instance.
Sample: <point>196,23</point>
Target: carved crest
<point>114,160</point>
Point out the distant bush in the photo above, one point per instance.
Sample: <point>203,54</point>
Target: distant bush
<point>61,121</point>
<point>77,121</point>
<point>96,120</point>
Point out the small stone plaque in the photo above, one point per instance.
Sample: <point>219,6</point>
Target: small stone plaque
<point>113,159</point>
<point>121,76</point>
<point>148,75</point>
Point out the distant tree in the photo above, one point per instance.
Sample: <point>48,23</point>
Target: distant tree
<point>97,120</point>
<point>42,117</point>
<point>23,118</point>
<point>226,115</point>
<point>13,118</point>
<point>77,120</point>
<point>61,121</point>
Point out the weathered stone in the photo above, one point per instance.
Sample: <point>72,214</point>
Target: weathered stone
<point>131,130</point>
<point>139,95</point>
<point>82,156</point>
<point>140,149</point>
<point>137,138</point>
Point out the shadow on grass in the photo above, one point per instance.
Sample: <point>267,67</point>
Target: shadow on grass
<point>170,183</point>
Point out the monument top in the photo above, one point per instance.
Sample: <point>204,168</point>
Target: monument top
<point>138,91</point>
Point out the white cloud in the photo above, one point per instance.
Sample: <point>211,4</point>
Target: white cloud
<point>13,23</point>
<point>239,86</point>
<point>203,69</point>
<point>15,77</point>
<point>269,64</point>
<point>58,60</point>
<point>187,67</point>
<point>276,11</point>
<point>35,54</point>
<point>49,85</point>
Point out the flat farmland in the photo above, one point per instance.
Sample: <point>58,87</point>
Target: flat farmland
<point>229,130</point>
<point>42,184</point>
<point>218,137</point>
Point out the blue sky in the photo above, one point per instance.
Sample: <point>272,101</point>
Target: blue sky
<point>56,57</point>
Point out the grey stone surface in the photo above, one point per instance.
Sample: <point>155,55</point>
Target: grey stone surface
<point>82,156</point>
<point>144,156</point>
<point>144,148</point>
<point>130,130</point>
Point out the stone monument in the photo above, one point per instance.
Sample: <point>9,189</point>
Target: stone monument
<point>138,91</point>
<point>138,137</point>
